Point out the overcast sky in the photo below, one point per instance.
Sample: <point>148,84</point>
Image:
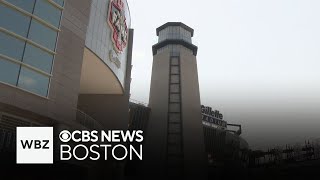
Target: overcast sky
<point>258,61</point>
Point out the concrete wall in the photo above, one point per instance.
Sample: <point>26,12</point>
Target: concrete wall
<point>156,138</point>
<point>68,63</point>
<point>110,110</point>
<point>194,149</point>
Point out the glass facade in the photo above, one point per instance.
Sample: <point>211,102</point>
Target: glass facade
<point>15,21</point>
<point>47,12</point>
<point>38,58</point>
<point>42,35</point>
<point>33,81</point>
<point>175,32</point>
<point>11,46</point>
<point>23,4</point>
<point>8,71</point>
<point>28,36</point>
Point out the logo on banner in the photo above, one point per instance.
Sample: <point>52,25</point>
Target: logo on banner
<point>118,25</point>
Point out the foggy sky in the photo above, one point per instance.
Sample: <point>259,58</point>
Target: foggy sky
<point>258,61</point>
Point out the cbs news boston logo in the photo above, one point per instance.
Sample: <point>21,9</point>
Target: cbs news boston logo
<point>35,145</point>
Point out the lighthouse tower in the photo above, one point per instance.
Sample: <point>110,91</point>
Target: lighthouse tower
<point>174,141</point>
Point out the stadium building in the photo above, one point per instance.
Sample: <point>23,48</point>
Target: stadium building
<point>225,148</point>
<point>63,63</point>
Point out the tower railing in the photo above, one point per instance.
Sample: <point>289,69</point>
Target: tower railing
<point>139,102</point>
<point>87,121</point>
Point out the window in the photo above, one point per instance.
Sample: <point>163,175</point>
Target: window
<point>47,12</point>
<point>17,74</point>
<point>14,21</point>
<point>8,71</point>
<point>11,46</point>
<point>43,35</point>
<point>26,5</point>
<point>38,58</point>
<point>60,2</point>
<point>33,81</point>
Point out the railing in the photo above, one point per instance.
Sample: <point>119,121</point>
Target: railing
<point>87,121</point>
<point>139,102</point>
<point>290,154</point>
<point>7,140</point>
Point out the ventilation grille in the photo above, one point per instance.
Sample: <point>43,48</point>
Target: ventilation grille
<point>10,123</point>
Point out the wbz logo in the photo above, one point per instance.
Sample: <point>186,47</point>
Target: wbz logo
<point>34,145</point>
<point>37,144</point>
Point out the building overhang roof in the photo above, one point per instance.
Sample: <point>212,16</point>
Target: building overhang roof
<point>97,77</point>
<point>174,41</point>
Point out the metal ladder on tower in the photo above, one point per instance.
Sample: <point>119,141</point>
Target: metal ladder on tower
<point>175,127</point>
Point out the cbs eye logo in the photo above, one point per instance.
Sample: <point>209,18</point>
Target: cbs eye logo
<point>65,136</point>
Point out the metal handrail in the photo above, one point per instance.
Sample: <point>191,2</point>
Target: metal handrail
<point>87,121</point>
<point>139,102</point>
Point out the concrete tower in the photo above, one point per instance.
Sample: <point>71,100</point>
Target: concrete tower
<point>174,141</point>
